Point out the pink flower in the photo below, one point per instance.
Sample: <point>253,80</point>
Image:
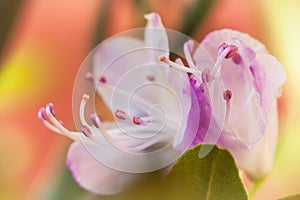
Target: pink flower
<point>150,102</point>
<point>237,83</point>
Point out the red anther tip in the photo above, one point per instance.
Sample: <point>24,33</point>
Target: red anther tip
<point>201,87</point>
<point>102,79</point>
<point>227,94</point>
<point>162,58</point>
<point>137,120</point>
<point>232,52</point>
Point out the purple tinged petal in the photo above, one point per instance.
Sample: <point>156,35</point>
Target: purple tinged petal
<point>255,79</point>
<point>269,76</point>
<point>215,38</point>
<point>200,112</point>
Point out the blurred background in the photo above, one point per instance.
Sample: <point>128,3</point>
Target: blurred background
<point>43,42</point>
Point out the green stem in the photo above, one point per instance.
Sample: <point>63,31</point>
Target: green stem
<point>66,187</point>
<point>255,188</point>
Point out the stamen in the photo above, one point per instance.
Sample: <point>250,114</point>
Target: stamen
<point>137,120</point>
<point>50,106</point>
<point>102,79</point>
<point>232,52</point>
<point>221,48</point>
<point>43,117</point>
<point>227,96</point>
<point>84,99</point>
<point>177,66</point>
<point>57,124</point>
<point>202,87</point>
<point>98,124</point>
<point>223,51</point>
<point>120,114</point>
<point>141,120</point>
<point>89,77</point>
<point>95,120</point>
<point>86,131</point>
<point>188,48</point>
<point>205,76</point>
<point>42,114</point>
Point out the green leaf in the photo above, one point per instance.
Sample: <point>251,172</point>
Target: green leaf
<point>213,177</point>
<point>292,197</point>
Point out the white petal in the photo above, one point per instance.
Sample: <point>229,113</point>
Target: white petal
<point>269,76</point>
<point>157,40</point>
<point>128,76</point>
<point>155,33</point>
<point>181,84</point>
<point>258,160</point>
<point>214,39</point>
<point>93,175</point>
<point>149,156</point>
<point>110,51</point>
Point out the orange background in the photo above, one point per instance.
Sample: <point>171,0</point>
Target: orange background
<point>50,39</point>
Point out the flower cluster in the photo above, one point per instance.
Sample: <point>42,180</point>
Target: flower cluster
<point>227,96</point>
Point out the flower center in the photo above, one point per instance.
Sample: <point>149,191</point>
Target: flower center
<point>225,51</point>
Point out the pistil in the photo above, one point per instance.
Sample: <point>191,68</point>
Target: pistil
<point>227,97</point>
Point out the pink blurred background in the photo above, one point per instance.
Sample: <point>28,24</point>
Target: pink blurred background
<point>48,41</point>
